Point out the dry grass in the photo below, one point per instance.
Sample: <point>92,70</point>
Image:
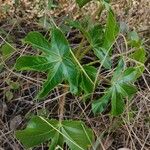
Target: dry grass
<point>131,130</point>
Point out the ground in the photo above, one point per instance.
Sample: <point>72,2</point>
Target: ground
<point>17,90</point>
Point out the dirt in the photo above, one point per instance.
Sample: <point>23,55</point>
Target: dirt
<point>132,130</point>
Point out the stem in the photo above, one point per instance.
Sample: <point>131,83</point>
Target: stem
<point>84,52</point>
<point>77,54</point>
<point>62,105</point>
<point>76,60</point>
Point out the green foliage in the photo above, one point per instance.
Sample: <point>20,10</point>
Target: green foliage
<point>123,78</point>
<point>6,50</point>
<point>74,133</point>
<point>139,56</point>
<point>57,59</point>
<point>121,87</point>
<point>100,41</point>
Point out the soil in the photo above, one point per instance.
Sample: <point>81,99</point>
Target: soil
<point>131,130</point>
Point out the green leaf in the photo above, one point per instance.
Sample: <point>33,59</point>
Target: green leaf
<point>100,105</point>
<point>91,71</point>
<point>77,131</point>
<point>81,3</point>
<point>134,36</point>
<point>101,42</point>
<point>54,78</point>
<point>128,90</point>
<point>58,61</point>
<point>35,63</point>
<point>121,85</point>
<point>121,88</point>
<point>70,72</point>
<point>140,57</point>
<point>110,34</point>
<point>6,50</point>
<point>128,76</point>
<point>37,40</point>
<point>74,133</point>
<point>119,69</point>
<point>103,57</point>
<point>117,103</point>
<point>85,83</point>
<point>111,31</point>
<point>123,74</point>
<point>94,36</point>
<point>37,130</point>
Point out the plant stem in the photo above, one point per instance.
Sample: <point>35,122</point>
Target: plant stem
<point>80,66</point>
<point>77,54</point>
<point>62,104</point>
<point>84,52</point>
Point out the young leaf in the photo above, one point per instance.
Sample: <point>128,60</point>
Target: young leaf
<point>94,36</point>
<point>6,51</point>
<point>121,87</point>
<point>9,95</point>
<point>101,43</point>
<point>140,57</point>
<point>110,34</point>
<point>74,133</point>
<point>111,31</point>
<point>134,39</point>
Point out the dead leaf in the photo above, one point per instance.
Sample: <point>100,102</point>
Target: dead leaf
<point>14,123</point>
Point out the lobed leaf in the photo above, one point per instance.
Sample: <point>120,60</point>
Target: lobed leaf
<point>38,131</point>
<point>121,87</point>
<point>74,133</point>
<point>101,43</point>
<point>58,60</point>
